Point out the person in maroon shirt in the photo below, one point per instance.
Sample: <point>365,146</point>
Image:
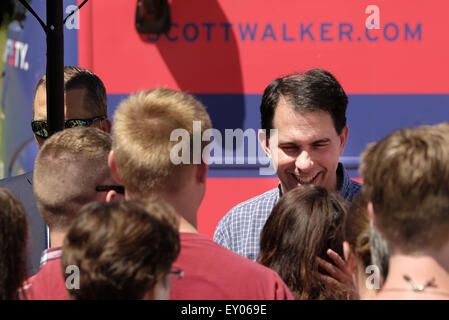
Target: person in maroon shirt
<point>148,159</point>
<point>68,168</point>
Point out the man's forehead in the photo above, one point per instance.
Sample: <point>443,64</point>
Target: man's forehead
<point>305,126</point>
<point>287,114</point>
<point>74,104</point>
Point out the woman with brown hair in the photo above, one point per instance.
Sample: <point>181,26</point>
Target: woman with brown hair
<point>301,228</point>
<point>13,244</point>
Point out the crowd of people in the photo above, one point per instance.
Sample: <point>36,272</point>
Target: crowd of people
<point>113,217</point>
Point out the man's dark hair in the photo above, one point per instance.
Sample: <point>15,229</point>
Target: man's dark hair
<point>313,90</point>
<point>79,78</point>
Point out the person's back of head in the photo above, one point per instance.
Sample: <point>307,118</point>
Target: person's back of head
<point>13,244</point>
<point>145,133</point>
<point>123,250</point>
<point>406,179</point>
<point>157,150</point>
<point>303,225</point>
<point>68,168</point>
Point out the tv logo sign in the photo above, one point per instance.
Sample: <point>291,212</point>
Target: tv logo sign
<point>15,54</point>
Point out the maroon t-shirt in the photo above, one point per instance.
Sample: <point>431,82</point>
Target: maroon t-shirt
<point>212,272</point>
<point>47,284</point>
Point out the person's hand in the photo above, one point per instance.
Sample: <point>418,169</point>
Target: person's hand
<point>340,274</point>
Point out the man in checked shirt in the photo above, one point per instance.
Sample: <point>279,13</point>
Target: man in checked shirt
<point>309,112</point>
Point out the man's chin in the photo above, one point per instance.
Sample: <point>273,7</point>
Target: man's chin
<point>294,183</point>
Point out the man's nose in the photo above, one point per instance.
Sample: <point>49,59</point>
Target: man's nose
<point>304,161</point>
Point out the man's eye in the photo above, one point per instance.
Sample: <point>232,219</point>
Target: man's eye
<point>289,148</point>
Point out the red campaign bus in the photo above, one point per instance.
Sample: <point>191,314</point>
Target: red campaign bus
<point>391,58</point>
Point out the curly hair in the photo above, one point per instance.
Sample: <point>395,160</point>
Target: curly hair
<point>303,225</point>
<point>122,249</point>
<point>14,245</point>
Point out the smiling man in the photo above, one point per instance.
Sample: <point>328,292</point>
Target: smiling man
<point>308,111</point>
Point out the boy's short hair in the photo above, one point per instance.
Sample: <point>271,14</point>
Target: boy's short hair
<point>68,167</point>
<point>406,178</point>
<point>122,249</point>
<point>142,144</point>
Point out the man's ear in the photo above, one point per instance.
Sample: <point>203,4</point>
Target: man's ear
<point>106,126</point>
<point>343,138</point>
<point>113,166</point>
<point>264,142</point>
<point>351,263</point>
<point>201,172</point>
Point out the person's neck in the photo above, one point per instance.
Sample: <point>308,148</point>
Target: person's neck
<point>186,210</point>
<point>185,226</point>
<point>418,276</point>
<point>184,204</point>
<point>365,292</point>
<point>56,238</point>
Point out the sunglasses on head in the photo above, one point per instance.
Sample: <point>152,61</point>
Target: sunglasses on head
<point>40,128</point>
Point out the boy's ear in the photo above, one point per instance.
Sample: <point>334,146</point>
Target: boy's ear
<point>113,166</point>
<point>113,196</point>
<point>201,172</point>
<point>343,139</point>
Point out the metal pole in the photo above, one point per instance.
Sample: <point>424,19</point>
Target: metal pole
<point>55,66</point>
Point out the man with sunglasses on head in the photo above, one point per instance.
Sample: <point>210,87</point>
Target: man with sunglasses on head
<point>85,105</point>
